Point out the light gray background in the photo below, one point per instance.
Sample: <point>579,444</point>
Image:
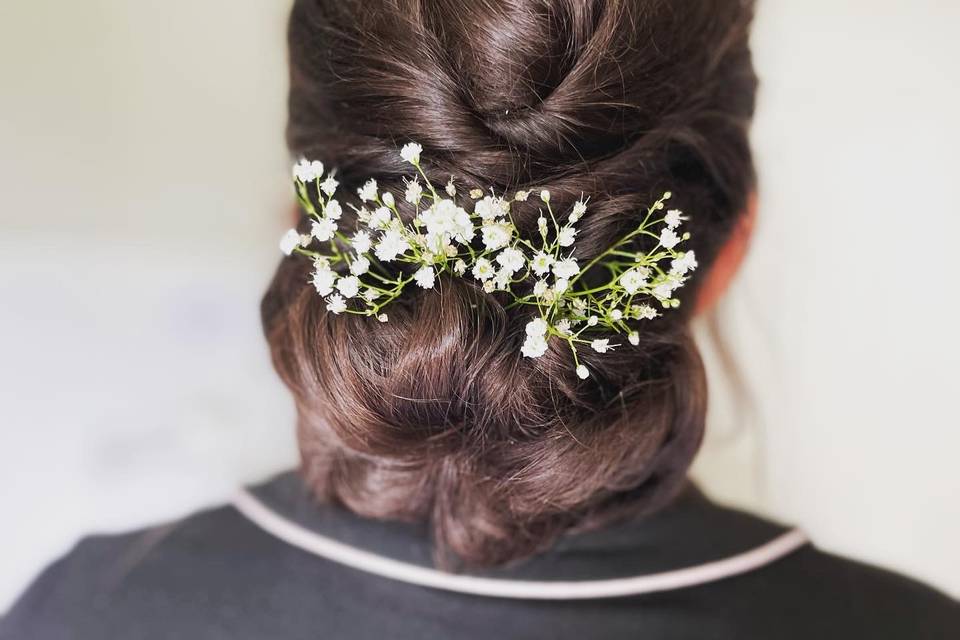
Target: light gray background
<point>144,185</point>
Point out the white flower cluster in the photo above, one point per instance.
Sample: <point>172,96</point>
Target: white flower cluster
<point>477,239</point>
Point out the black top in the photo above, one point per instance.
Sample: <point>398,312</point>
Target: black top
<point>218,575</point>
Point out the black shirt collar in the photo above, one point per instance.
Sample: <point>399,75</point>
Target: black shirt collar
<point>689,532</point>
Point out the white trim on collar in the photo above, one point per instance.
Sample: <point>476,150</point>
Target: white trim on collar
<point>291,532</point>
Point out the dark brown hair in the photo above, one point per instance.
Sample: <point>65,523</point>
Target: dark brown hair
<point>435,416</point>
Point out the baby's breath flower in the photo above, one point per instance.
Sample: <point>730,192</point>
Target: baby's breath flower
<point>600,345</point>
<point>537,327</point>
<point>495,236</point>
<point>307,171</point>
<point>323,229</point>
<point>425,277</point>
<point>380,218</point>
<point>392,244</point>
<point>411,152</point>
<point>368,191</point>
<point>360,266</point>
<point>333,210</point>
<point>336,304</point>
<point>567,236</point>
<point>541,263</point>
<point>511,259</point>
<point>669,239</point>
<point>645,312</point>
<point>323,280</point>
<point>329,186</point>
<point>502,279</point>
<point>443,234</point>
<point>566,269</point>
<point>673,218</point>
<point>349,286</point>
<point>534,346</point>
<point>489,208</point>
<point>462,227</point>
<point>632,281</point>
<point>413,193</point>
<point>579,208</point>
<point>664,290</point>
<point>290,241</point>
<point>440,218</point>
<point>685,263</point>
<point>361,241</point>
<point>483,269</point>
<point>666,285</point>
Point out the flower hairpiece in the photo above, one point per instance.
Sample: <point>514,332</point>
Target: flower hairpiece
<point>476,238</point>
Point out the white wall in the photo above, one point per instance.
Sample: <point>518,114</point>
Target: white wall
<point>143,185</point>
<point>846,316</point>
<point>143,179</point>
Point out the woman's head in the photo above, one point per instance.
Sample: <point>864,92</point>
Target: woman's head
<point>436,415</point>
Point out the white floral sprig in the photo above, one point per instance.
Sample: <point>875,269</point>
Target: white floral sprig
<point>476,238</point>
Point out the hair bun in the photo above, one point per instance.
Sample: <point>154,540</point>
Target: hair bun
<point>435,414</point>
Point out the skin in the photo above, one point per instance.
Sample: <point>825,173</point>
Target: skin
<point>728,261</point>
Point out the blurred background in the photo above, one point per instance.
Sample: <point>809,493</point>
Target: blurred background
<point>144,184</point>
